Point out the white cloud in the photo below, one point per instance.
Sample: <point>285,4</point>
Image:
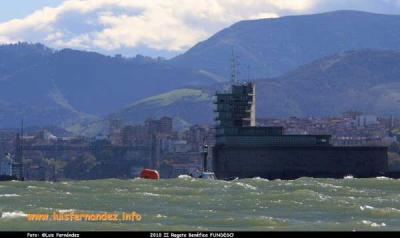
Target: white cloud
<point>170,25</point>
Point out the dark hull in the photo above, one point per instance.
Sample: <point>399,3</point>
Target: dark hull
<point>394,175</point>
<point>292,162</point>
<point>7,178</point>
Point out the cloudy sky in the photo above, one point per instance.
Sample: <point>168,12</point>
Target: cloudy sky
<point>149,27</point>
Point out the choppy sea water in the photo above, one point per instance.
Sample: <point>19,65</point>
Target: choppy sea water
<point>193,204</point>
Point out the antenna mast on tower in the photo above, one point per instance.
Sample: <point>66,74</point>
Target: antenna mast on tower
<point>234,68</point>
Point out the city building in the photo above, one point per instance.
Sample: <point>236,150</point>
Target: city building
<point>6,165</point>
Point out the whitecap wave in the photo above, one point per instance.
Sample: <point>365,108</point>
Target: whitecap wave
<point>366,207</point>
<point>151,194</point>
<point>247,186</point>
<point>9,195</point>
<point>323,197</point>
<point>121,190</point>
<point>66,210</point>
<point>14,214</point>
<point>184,176</point>
<point>32,187</point>
<point>328,185</point>
<point>373,224</point>
<point>161,216</point>
<point>260,179</point>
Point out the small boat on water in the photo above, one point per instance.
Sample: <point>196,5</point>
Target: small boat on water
<point>150,174</point>
<point>205,173</point>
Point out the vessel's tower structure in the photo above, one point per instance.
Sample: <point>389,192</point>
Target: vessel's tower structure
<point>236,108</point>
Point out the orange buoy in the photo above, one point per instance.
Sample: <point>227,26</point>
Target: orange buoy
<point>149,174</point>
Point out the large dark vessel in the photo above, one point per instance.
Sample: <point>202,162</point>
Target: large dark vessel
<point>7,178</point>
<point>243,150</point>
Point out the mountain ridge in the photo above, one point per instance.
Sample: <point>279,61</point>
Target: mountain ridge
<point>67,87</point>
<point>77,84</point>
<point>272,47</point>
<point>365,80</point>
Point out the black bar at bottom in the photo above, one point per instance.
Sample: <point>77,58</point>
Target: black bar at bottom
<point>161,234</point>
